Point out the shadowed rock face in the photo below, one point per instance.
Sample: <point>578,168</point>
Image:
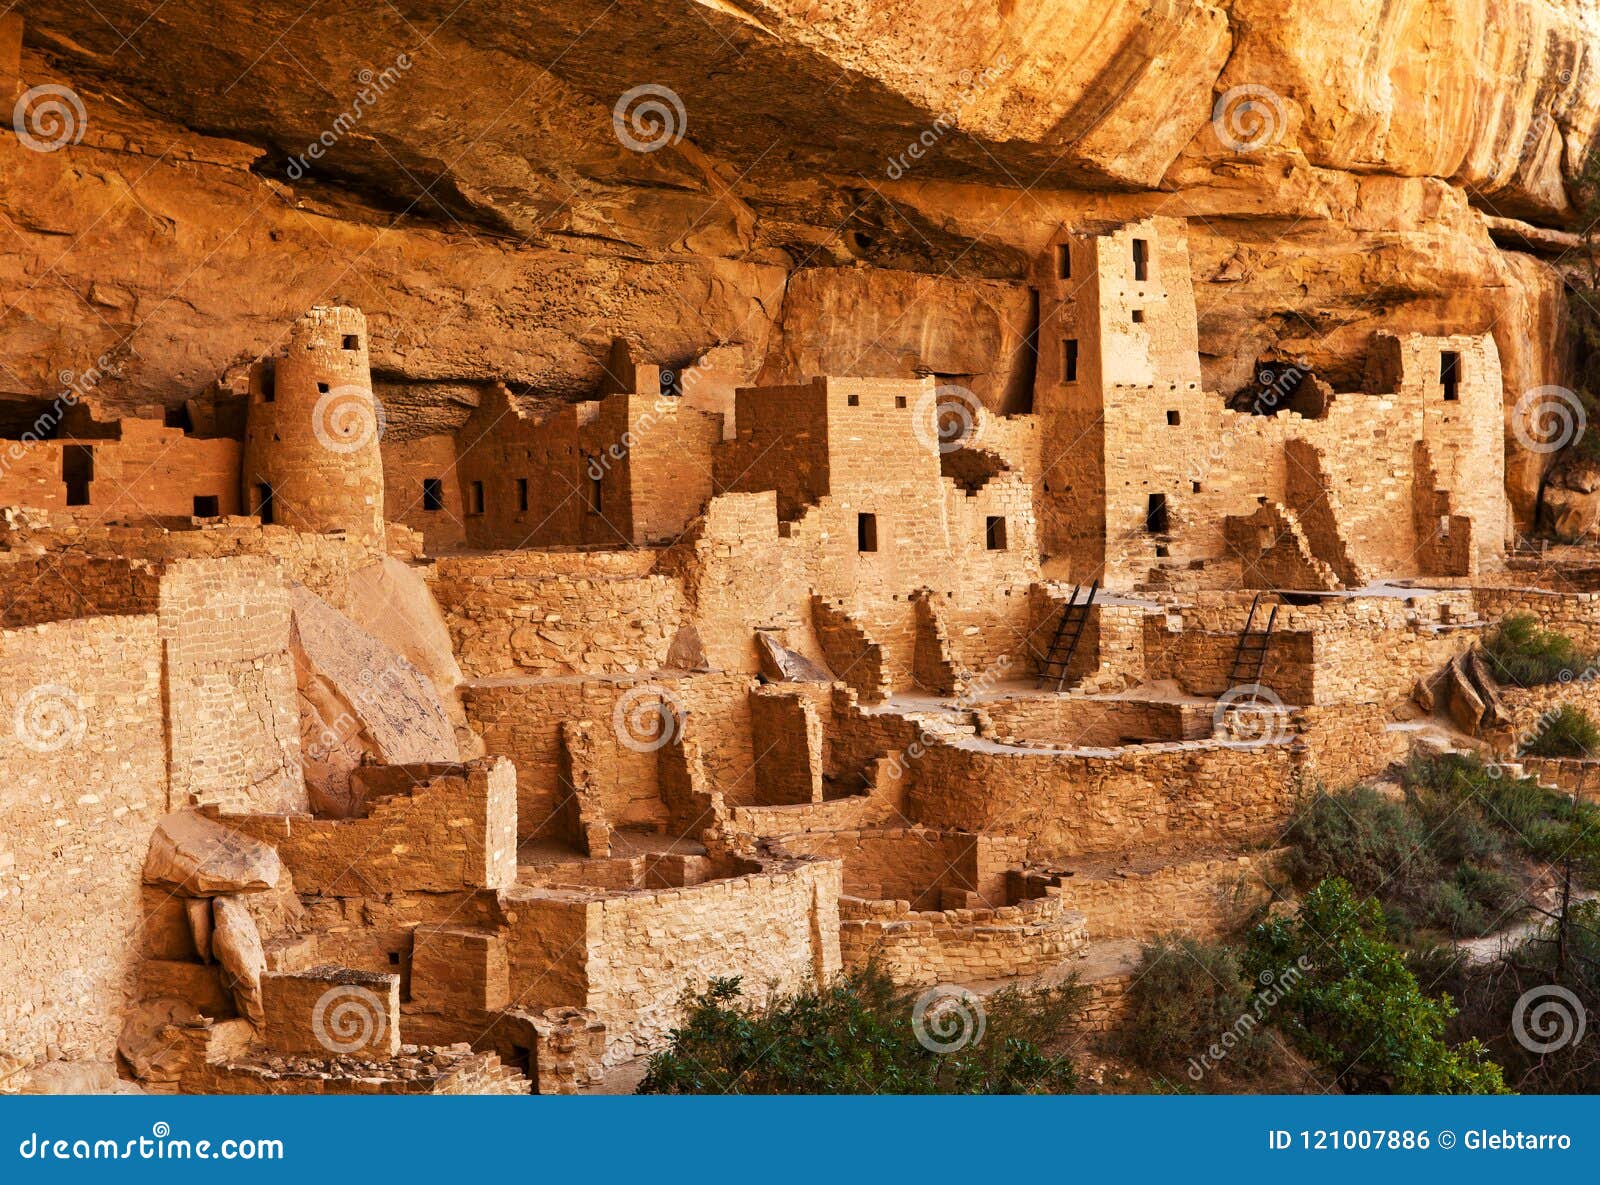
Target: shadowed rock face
<point>857,187</point>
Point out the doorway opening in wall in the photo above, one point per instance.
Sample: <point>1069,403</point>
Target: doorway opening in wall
<point>522,1061</point>
<point>994,532</point>
<point>1063,261</point>
<point>1155,515</point>
<point>476,492</point>
<point>1141,260</point>
<point>177,417</point>
<point>1450,375</point>
<point>595,492</point>
<point>77,470</point>
<point>269,381</point>
<point>866,532</point>
<point>264,504</point>
<point>433,493</point>
<point>207,506</point>
<point>522,493</point>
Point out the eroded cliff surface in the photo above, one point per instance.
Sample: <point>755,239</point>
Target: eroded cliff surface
<point>846,186</point>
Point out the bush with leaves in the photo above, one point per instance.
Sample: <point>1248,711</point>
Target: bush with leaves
<point>1545,824</point>
<point>1430,860</point>
<point>1566,732</point>
<point>1519,651</point>
<point>1185,996</point>
<point>1356,1008</point>
<point>857,1036</point>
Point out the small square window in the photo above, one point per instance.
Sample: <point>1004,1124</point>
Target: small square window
<point>432,493</point>
<point>1195,486</point>
<point>322,388</point>
<point>1172,418</point>
<point>866,532</point>
<point>206,506</point>
<point>352,341</point>
<point>995,532</point>
<point>1138,316</point>
<point>899,400</point>
<point>853,400</point>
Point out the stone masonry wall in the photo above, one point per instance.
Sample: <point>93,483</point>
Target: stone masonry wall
<point>232,706</point>
<point>82,783</point>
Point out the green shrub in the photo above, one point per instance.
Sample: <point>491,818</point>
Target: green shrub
<point>1429,859</point>
<point>1358,834</point>
<point>1545,824</point>
<point>1185,996</point>
<point>1354,1006</point>
<point>858,1037</point>
<point>1519,651</point>
<point>1566,732</point>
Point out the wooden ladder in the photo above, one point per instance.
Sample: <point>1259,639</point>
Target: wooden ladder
<point>1069,628</point>
<point>1250,657</point>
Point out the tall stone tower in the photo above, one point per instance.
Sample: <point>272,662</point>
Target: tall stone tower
<point>311,457</point>
<point>1118,361</point>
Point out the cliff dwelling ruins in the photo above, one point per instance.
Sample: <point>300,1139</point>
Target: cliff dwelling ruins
<point>363,741</point>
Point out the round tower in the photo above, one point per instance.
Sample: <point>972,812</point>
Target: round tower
<point>311,457</point>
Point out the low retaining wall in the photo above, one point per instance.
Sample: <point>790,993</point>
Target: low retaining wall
<point>917,948</point>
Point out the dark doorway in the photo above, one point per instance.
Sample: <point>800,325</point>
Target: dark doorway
<point>77,470</point>
<point>207,506</point>
<point>1155,515</point>
<point>264,504</point>
<point>1450,375</point>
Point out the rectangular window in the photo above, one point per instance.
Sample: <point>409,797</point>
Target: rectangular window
<point>264,504</point>
<point>1063,261</point>
<point>853,400</point>
<point>1141,260</point>
<point>1069,360</point>
<point>177,417</point>
<point>352,341</point>
<point>1450,374</point>
<point>477,497</point>
<point>866,532</point>
<point>1173,418</point>
<point>206,506</point>
<point>77,470</point>
<point>433,493</point>
<point>269,381</point>
<point>1138,316</point>
<point>595,476</point>
<point>995,532</point>
<point>1155,515</point>
<point>522,493</point>
<point>899,400</point>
